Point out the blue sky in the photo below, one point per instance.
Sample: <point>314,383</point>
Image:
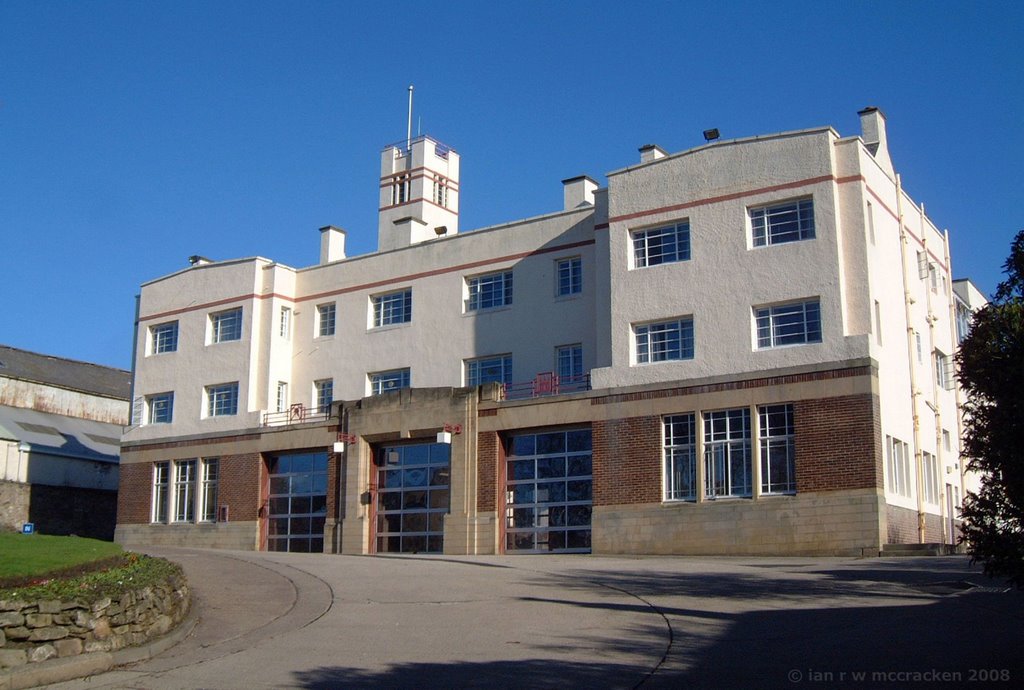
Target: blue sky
<point>135,134</point>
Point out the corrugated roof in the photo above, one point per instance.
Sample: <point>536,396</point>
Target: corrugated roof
<point>55,434</point>
<point>65,373</point>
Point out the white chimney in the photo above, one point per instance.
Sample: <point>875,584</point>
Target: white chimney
<point>651,152</point>
<point>332,244</point>
<point>872,127</point>
<point>578,191</point>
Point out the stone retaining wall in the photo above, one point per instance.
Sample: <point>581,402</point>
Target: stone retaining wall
<point>33,631</point>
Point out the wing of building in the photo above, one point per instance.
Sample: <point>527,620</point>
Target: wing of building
<point>743,348</point>
<point>60,427</point>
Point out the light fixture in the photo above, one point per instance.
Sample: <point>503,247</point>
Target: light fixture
<point>441,230</point>
<point>711,134</point>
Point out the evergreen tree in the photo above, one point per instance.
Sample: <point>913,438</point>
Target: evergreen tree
<point>991,371</point>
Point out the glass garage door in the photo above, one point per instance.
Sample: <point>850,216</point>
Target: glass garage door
<point>548,493</point>
<point>412,497</point>
<point>298,502</point>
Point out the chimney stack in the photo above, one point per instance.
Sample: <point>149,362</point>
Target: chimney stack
<point>332,244</point>
<point>872,127</point>
<point>651,152</point>
<point>578,191</point>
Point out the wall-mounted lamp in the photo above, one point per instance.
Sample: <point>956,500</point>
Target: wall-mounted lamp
<point>441,230</point>
<point>711,134</point>
<point>445,436</point>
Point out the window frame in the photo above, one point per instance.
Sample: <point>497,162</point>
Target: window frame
<point>574,352</point>
<point>323,395</point>
<point>391,308</point>
<point>208,490</point>
<point>642,341</point>
<point>568,276</point>
<point>377,380</point>
<point>161,495</point>
<point>157,401</point>
<point>775,440</point>
<point>722,450</point>
<point>773,312</point>
<point>472,369</point>
<point>771,233</point>
<point>496,286</point>
<point>184,480</point>
<point>233,320</point>
<point>641,244</point>
<point>163,338</point>
<point>326,319</point>
<point>285,327</point>
<point>281,398</point>
<point>214,405</point>
<point>679,449</point>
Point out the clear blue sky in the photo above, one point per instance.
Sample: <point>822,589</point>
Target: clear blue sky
<point>134,134</point>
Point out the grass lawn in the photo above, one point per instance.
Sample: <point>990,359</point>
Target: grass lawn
<point>25,555</point>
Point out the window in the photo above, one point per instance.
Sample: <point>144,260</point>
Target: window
<point>570,276</point>
<point>898,472</point>
<point>727,457</point>
<point>226,325</point>
<point>161,490</point>
<point>161,408</point>
<point>184,488</point>
<point>487,369</point>
<point>778,449</point>
<point>871,222</point>
<point>282,396</point>
<point>878,322</point>
<point>917,340</point>
<point>392,308</point>
<point>222,400</point>
<point>930,476</point>
<point>664,341</point>
<point>788,324</point>
<point>680,457</point>
<point>285,329</point>
<point>489,291</point>
<point>789,222</point>
<point>400,190</point>
<point>569,362</point>
<point>164,337</point>
<point>922,265</point>
<point>323,390</point>
<point>325,319</point>
<point>661,245</point>
<point>945,440</point>
<point>943,371</point>
<point>208,490</point>
<point>933,277</point>
<point>441,191</point>
<point>384,381</point>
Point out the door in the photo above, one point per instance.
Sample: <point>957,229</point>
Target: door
<point>412,497</point>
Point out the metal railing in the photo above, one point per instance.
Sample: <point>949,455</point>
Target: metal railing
<point>295,414</point>
<point>545,384</point>
<point>440,149</point>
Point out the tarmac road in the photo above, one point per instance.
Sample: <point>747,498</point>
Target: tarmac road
<point>319,621</point>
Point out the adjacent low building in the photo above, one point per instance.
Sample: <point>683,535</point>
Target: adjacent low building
<point>742,348</point>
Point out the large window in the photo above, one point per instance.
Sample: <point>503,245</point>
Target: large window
<point>489,291</point>
<point>664,341</point>
<point>661,245</point>
<point>392,308</point>
<point>161,490</point>
<point>161,408</point>
<point>680,457</point>
<point>208,490</point>
<point>778,449</point>
<point>727,456</point>
<point>226,325</point>
<point>898,470</point>
<point>412,497</point>
<point>222,400</point>
<point>788,324</point>
<point>164,337</point>
<point>325,315</point>
<point>323,391</point>
<point>570,276</point>
<point>789,222</point>
<point>569,361</point>
<point>184,490</point>
<point>384,381</point>
<point>487,369</point>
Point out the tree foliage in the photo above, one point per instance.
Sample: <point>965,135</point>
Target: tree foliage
<point>991,371</point>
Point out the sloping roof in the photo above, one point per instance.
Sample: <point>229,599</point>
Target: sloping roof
<point>65,373</point>
<point>55,434</point>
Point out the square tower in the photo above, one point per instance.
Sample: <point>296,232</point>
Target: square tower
<point>419,193</point>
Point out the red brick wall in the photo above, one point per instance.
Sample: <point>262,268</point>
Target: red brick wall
<point>134,493</point>
<point>902,526</point>
<point>627,461</point>
<point>838,443</point>
<point>240,485</point>
<point>488,448</point>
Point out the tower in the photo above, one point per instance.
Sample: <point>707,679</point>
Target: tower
<point>419,193</point>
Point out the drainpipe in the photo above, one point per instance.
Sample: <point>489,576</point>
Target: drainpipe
<point>339,504</point>
<point>956,384</point>
<point>135,351</point>
<point>936,410</point>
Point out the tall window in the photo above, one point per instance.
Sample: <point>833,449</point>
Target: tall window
<point>661,245</point>
<point>164,337</point>
<point>727,456</point>
<point>226,325</point>
<point>392,308</point>
<point>489,291</point>
<point>441,191</point>
<point>222,400</point>
<point>569,361</point>
<point>778,449</point>
<point>384,381</point>
<point>930,476</point>
<point>208,490</point>
<point>898,471</point>
<point>325,314</point>
<point>400,190</point>
<point>487,369</point>
<point>285,329</point>
<point>282,396</point>
<point>324,392</point>
<point>789,222</point>
<point>943,371</point>
<point>570,276</point>
<point>664,341</point>
<point>788,324</point>
<point>161,490</point>
<point>161,408</point>
<point>680,457</point>
<point>184,488</point>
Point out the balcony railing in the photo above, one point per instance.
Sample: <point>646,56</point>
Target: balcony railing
<point>295,414</point>
<point>544,384</point>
